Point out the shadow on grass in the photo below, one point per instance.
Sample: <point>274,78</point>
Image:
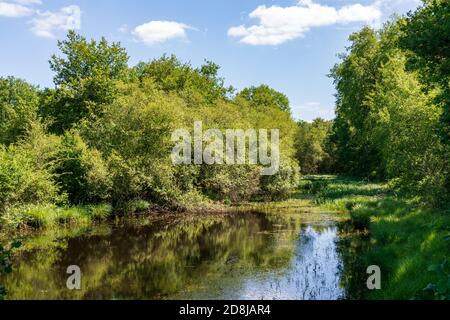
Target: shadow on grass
<point>406,241</point>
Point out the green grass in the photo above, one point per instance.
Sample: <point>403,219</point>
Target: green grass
<point>408,240</point>
<point>46,216</point>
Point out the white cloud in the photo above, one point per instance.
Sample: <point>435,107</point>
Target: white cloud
<point>14,10</point>
<point>155,32</point>
<point>281,24</point>
<point>48,22</point>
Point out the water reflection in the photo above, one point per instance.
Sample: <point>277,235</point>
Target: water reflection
<point>313,273</point>
<point>236,256</point>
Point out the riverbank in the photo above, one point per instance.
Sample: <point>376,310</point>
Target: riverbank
<point>235,255</point>
<point>38,217</point>
<point>409,242</point>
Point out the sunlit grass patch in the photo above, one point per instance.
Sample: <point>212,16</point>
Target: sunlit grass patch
<point>45,216</point>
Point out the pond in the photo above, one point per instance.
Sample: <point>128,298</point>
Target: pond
<point>226,256</point>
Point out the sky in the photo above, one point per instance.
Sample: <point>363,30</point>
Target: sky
<point>290,45</point>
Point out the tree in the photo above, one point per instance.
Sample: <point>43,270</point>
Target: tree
<point>18,108</point>
<point>312,149</point>
<point>427,36</point>
<point>266,97</point>
<point>404,121</point>
<point>354,79</point>
<point>85,79</point>
<point>386,125</point>
<point>198,86</point>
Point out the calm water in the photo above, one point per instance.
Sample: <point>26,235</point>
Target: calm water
<point>236,256</point>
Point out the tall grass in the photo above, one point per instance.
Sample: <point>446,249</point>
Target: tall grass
<point>45,216</point>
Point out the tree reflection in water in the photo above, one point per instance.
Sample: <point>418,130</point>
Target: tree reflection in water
<point>235,256</point>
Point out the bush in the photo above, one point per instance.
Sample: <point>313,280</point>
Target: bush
<point>281,185</point>
<point>18,108</point>
<point>21,182</point>
<point>233,183</point>
<point>81,171</point>
<point>136,206</point>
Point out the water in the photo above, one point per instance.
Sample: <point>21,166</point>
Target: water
<point>231,256</point>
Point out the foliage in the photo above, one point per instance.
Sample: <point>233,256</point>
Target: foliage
<point>18,108</point>
<point>81,171</point>
<point>103,134</point>
<point>313,146</point>
<point>354,79</point>
<point>21,182</point>
<point>197,86</point>
<point>279,186</point>
<point>387,124</point>
<point>440,290</point>
<point>85,80</point>
<point>265,97</point>
<point>405,237</point>
<point>427,36</point>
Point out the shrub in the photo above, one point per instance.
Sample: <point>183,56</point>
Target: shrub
<point>22,182</point>
<point>18,108</point>
<point>233,183</point>
<point>281,185</point>
<point>81,171</point>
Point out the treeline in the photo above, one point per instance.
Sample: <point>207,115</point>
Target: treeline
<point>103,135</point>
<point>315,152</point>
<point>393,101</point>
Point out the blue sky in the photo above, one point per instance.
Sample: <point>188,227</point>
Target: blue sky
<point>290,45</point>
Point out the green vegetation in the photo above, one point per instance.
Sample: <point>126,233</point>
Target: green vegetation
<point>98,145</point>
<point>103,135</point>
<point>390,112</point>
<point>406,238</point>
<point>314,148</point>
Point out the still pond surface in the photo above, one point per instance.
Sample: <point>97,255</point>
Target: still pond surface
<point>229,256</point>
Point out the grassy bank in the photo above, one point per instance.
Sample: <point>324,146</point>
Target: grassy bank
<point>409,242</point>
<point>46,216</point>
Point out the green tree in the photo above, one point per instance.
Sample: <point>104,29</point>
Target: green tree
<point>354,79</point>
<point>197,86</point>
<point>19,103</point>
<point>312,145</point>
<point>427,36</point>
<point>85,79</point>
<point>404,121</point>
<point>266,97</point>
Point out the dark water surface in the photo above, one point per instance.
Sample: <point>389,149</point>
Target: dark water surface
<point>235,256</point>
